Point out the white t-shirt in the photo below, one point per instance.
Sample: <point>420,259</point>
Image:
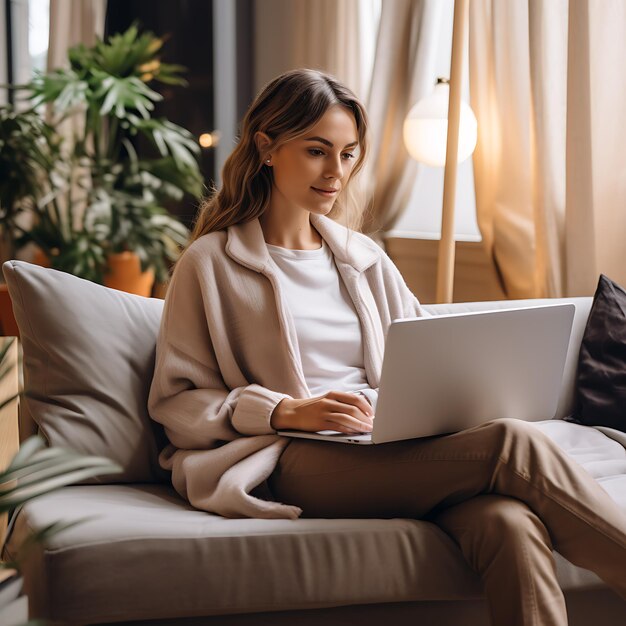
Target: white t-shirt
<point>327,326</point>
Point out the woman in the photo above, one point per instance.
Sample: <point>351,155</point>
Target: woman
<point>275,318</point>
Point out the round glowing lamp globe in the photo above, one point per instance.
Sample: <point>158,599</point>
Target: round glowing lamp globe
<point>426,128</point>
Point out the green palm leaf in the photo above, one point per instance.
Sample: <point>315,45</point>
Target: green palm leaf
<point>124,53</point>
<point>124,94</point>
<point>43,464</point>
<point>188,179</point>
<point>40,536</point>
<point>168,73</point>
<point>9,501</point>
<point>26,451</point>
<point>63,87</point>
<point>171,140</point>
<point>36,470</point>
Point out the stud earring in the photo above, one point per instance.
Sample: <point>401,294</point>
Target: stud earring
<point>268,160</point>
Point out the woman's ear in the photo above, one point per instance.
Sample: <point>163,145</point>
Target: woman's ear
<point>262,142</point>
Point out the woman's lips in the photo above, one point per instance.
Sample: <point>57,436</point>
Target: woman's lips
<point>326,194</point>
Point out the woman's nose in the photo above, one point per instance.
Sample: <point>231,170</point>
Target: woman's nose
<point>334,168</point>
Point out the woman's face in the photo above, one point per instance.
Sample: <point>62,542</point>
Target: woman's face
<point>309,172</point>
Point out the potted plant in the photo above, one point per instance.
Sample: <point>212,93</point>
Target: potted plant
<point>94,197</point>
<point>33,471</point>
<point>27,149</point>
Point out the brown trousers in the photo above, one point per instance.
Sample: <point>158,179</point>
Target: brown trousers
<point>504,492</point>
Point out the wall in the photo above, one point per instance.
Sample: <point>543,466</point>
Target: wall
<point>475,278</point>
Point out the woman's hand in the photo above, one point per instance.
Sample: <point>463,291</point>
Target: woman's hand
<point>336,410</point>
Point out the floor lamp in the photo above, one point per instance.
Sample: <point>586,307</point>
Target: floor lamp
<point>437,128</point>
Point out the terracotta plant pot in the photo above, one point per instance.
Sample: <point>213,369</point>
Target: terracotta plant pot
<point>8,325</point>
<point>125,274</point>
<point>41,258</point>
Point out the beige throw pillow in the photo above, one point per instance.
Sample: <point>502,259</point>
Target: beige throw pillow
<point>88,363</point>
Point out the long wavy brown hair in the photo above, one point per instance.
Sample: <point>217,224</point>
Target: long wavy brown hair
<point>287,108</point>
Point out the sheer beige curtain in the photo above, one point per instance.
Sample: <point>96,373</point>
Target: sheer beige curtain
<point>403,67</point>
<point>72,23</point>
<point>550,165</point>
<point>320,34</point>
<point>596,144</point>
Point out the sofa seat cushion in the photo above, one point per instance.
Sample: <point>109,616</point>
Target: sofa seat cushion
<point>143,553</point>
<point>601,451</point>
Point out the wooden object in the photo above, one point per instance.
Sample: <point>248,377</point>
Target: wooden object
<point>475,279</point>
<point>9,431</point>
<point>445,265</point>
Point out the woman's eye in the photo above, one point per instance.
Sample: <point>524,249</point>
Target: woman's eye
<point>347,156</point>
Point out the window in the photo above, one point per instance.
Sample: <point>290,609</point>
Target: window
<point>369,15</point>
<point>24,39</point>
<point>4,52</point>
<point>38,33</point>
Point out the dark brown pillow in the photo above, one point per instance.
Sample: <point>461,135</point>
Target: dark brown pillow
<point>601,376</point>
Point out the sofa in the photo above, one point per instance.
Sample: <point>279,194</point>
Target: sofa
<point>139,553</point>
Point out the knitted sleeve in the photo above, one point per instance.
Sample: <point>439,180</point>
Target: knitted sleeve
<point>188,394</point>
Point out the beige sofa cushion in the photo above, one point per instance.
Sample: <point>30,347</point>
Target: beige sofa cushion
<point>145,554</point>
<point>88,362</point>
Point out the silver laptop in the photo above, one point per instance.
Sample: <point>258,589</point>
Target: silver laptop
<point>448,373</point>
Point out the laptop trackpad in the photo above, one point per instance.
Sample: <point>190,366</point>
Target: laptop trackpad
<point>328,435</point>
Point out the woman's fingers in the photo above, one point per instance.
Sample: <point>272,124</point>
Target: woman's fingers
<point>358,419</point>
<point>335,410</point>
<point>346,423</point>
<point>353,399</point>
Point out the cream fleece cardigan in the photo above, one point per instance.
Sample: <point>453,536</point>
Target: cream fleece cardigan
<point>226,356</point>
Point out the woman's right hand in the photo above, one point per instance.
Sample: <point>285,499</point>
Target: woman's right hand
<point>336,410</point>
